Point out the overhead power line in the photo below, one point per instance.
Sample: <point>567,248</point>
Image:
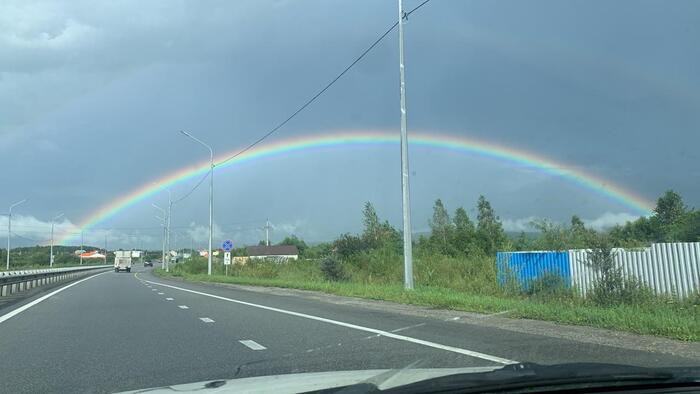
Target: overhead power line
<point>320,92</point>
<point>193,189</point>
<point>14,234</point>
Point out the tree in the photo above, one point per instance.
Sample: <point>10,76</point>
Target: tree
<point>522,242</point>
<point>371,222</point>
<point>348,245</point>
<point>296,241</point>
<point>669,213</point>
<point>441,226</point>
<point>372,226</point>
<point>489,228</point>
<point>552,235</point>
<point>464,238</point>
<point>669,208</point>
<point>579,236</point>
<point>690,230</point>
<point>377,234</point>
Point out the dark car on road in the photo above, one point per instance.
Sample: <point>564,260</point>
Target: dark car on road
<point>148,264</point>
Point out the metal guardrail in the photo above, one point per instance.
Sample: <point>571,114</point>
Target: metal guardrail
<point>12,282</point>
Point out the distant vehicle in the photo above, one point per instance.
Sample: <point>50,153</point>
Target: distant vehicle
<point>122,260</point>
<point>148,264</point>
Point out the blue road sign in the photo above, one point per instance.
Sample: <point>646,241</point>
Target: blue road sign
<point>227,245</point>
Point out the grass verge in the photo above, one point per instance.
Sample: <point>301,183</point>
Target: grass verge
<point>667,319</point>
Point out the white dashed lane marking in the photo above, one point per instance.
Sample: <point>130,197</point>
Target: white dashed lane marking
<point>161,293</point>
<point>252,344</point>
<point>206,320</point>
<point>183,307</point>
<point>169,299</point>
<point>371,330</point>
<point>409,327</point>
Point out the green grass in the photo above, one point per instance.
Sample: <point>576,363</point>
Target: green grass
<point>667,318</point>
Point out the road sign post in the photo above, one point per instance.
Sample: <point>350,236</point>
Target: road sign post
<point>227,246</point>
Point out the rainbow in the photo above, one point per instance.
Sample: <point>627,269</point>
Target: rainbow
<point>353,138</point>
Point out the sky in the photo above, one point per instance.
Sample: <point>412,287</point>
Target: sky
<point>92,99</point>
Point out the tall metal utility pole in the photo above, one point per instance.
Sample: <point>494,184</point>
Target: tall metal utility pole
<point>82,241</point>
<point>53,221</point>
<point>9,231</point>
<point>140,249</point>
<point>405,190</point>
<point>162,219</point>
<point>105,248</point>
<point>267,232</point>
<point>211,193</point>
<point>170,208</point>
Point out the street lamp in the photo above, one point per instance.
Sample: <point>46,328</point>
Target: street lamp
<point>211,192</point>
<point>167,231</point>
<point>53,221</point>
<point>9,231</point>
<point>162,263</point>
<point>405,189</point>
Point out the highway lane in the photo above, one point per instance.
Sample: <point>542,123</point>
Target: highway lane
<point>123,331</point>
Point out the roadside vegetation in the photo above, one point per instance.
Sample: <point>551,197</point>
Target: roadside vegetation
<point>454,268</point>
<point>32,257</point>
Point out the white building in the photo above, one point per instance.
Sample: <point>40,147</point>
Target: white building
<point>281,252</point>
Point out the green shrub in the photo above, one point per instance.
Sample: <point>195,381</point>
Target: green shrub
<point>475,274</point>
<point>550,286</point>
<point>348,245</point>
<point>332,269</point>
<point>261,268</point>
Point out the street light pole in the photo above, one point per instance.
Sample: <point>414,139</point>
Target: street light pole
<point>53,221</point>
<point>167,231</point>
<point>405,190</point>
<point>162,263</point>
<point>211,193</point>
<point>9,231</point>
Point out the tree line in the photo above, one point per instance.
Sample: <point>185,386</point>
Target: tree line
<point>458,235</point>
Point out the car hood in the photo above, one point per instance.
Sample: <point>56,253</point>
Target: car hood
<point>302,382</point>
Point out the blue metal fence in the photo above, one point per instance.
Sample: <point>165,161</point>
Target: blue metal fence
<point>525,267</point>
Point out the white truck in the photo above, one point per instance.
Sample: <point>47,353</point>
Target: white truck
<point>122,260</point>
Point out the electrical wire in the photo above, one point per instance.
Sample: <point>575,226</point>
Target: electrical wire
<point>320,92</point>
<point>193,189</point>
<point>14,234</point>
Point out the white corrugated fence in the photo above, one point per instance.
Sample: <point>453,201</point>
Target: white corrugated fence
<point>667,268</point>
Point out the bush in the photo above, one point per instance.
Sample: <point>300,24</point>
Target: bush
<point>196,266</point>
<point>261,268</point>
<point>348,245</point>
<point>549,285</point>
<point>332,269</point>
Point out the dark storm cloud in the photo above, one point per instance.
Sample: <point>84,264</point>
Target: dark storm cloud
<point>95,97</point>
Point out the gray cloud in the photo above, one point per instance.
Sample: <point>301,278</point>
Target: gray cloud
<point>94,97</point>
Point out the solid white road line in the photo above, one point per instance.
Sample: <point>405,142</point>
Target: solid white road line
<point>42,298</point>
<point>387,334</point>
<point>206,320</point>
<point>169,299</point>
<point>408,328</point>
<point>183,307</point>
<point>252,344</point>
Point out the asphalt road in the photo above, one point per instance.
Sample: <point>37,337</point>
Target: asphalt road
<point>116,332</point>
